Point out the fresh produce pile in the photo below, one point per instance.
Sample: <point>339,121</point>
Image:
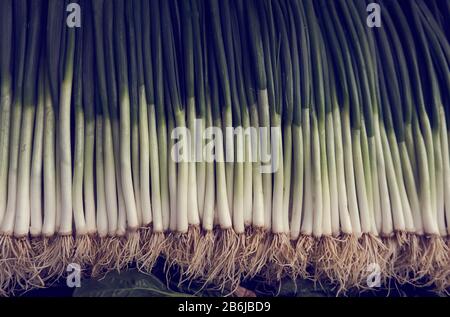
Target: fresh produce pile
<point>95,168</point>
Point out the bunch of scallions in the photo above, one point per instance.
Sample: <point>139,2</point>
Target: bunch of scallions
<point>234,139</point>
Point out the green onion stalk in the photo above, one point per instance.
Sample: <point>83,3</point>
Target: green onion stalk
<point>78,153</point>
<point>125,128</point>
<point>219,47</point>
<point>253,42</point>
<point>441,54</point>
<point>105,84</point>
<point>65,157</point>
<point>172,162</point>
<point>388,129</point>
<point>55,42</point>
<point>321,204</point>
<point>223,212</point>
<point>134,109</point>
<point>36,163</point>
<point>287,82</point>
<point>144,116</point>
<point>239,150</point>
<point>51,165</point>
<point>161,128</point>
<point>199,86</point>
<point>20,34</point>
<point>438,77</point>
<point>6,95</point>
<point>25,271</point>
<point>101,213</point>
<point>297,168</point>
<point>330,145</point>
<point>429,121</point>
<point>368,92</point>
<point>149,163</point>
<point>190,103</point>
<point>338,79</point>
<point>306,228</point>
<point>396,136</point>
<point>88,84</point>
<point>406,148</point>
<point>248,132</point>
<point>356,118</point>
<point>265,97</point>
<point>178,110</point>
<point>370,55</point>
<point>348,115</point>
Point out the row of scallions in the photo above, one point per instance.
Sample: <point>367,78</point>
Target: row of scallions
<point>235,139</point>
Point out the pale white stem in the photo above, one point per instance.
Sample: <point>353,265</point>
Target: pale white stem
<point>102,221</point>
<point>210,186</point>
<point>36,167</point>
<point>350,176</point>
<point>331,155</point>
<point>326,206</point>
<point>287,163</point>
<point>344,216</point>
<point>307,221</point>
<point>144,157</point>
<point>258,195</point>
<point>172,178</point>
<point>135,169</point>
<point>77,181</point>
<point>429,222</point>
<point>22,219</point>
<point>238,198</point>
<point>200,167</point>
<point>223,209</point>
<point>182,179</point>
<point>88,188</point>
<point>428,138</point>
<point>368,175</point>
<point>264,143</point>
<point>385,204</point>
<point>406,207</point>
<point>446,165</point>
<point>394,193</point>
<point>410,145</point>
<point>440,212</point>
<point>5,114</point>
<point>164,161</point>
<point>7,226</point>
<point>158,224</point>
<point>376,215</point>
<point>363,204</point>
<point>113,181</point>
<point>58,178</point>
<point>229,155</point>
<point>248,171</point>
<point>125,163</point>
<point>297,190</point>
<point>317,229</point>
<point>192,204</point>
<point>65,159</point>
<point>411,188</point>
<point>50,176</point>
<point>278,179</point>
